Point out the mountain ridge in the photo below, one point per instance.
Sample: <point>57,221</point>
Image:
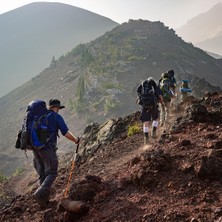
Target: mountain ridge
<point>205,30</point>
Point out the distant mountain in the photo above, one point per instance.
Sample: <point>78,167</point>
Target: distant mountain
<point>205,30</point>
<point>33,35</point>
<point>98,80</point>
<point>213,44</point>
<point>214,55</point>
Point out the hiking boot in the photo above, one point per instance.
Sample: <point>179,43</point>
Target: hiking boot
<point>40,200</point>
<point>146,138</point>
<point>154,136</point>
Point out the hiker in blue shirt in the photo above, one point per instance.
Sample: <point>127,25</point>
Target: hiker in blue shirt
<point>46,160</point>
<point>184,89</point>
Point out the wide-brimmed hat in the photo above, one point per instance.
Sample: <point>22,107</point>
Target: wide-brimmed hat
<point>55,103</point>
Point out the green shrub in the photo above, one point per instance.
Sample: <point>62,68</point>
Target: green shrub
<point>80,103</point>
<point>71,104</point>
<point>80,89</point>
<point>18,172</point>
<point>89,119</point>
<point>134,129</point>
<point>2,177</point>
<point>109,85</point>
<point>135,58</point>
<point>78,107</point>
<point>109,105</point>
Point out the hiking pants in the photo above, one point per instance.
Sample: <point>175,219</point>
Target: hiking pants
<point>183,96</point>
<point>46,165</point>
<point>148,115</point>
<point>164,115</point>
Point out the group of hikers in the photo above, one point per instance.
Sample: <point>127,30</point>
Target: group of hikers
<point>42,124</point>
<point>150,94</point>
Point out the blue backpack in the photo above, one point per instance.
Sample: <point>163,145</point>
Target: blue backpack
<point>34,134</point>
<point>184,86</point>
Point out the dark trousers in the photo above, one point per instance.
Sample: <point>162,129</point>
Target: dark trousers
<point>46,165</point>
<point>149,114</point>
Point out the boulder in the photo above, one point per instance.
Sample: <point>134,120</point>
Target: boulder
<point>210,166</point>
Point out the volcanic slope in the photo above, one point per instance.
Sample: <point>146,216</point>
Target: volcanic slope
<point>177,178</point>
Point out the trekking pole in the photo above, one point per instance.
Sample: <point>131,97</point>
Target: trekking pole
<point>71,170</point>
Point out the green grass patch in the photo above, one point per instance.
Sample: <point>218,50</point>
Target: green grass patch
<point>110,105</point>
<point>2,177</point>
<point>18,172</point>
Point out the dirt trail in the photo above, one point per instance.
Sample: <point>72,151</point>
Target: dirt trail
<point>116,164</point>
<point>113,162</point>
<point>25,183</point>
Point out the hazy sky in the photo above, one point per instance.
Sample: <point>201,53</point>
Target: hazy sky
<point>173,13</point>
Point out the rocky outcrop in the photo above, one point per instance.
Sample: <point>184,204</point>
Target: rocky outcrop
<point>210,166</point>
<point>148,167</point>
<point>204,110</point>
<point>96,136</point>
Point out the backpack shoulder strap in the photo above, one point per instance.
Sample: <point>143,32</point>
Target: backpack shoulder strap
<point>143,87</point>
